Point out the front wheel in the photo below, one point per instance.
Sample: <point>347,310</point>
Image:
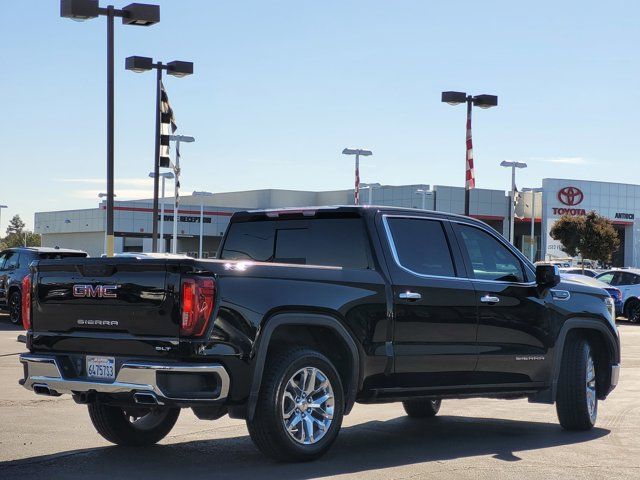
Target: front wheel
<point>132,426</point>
<point>421,408</point>
<point>577,399</point>
<point>15,308</point>
<point>300,406</point>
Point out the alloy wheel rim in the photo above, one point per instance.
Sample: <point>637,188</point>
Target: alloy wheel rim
<point>14,309</point>
<point>307,405</point>
<point>591,387</point>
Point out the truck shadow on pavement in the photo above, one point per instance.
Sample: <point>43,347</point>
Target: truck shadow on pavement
<point>359,449</point>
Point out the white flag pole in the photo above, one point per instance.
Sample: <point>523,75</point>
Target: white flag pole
<point>176,197</point>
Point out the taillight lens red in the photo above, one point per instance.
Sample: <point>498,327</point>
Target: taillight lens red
<point>198,298</point>
<point>26,302</point>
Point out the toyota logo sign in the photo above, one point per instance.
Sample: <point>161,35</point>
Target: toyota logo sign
<point>570,196</point>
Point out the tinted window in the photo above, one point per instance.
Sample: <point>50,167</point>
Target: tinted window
<point>490,259</point>
<point>3,257</point>
<point>339,242</point>
<point>606,278</point>
<point>421,246</point>
<point>13,260</point>
<point>626,278</point>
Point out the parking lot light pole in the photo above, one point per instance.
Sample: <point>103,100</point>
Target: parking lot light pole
<point>134,14</point>
<point>482,101</point>
<point>1,207</point>
<point>371,187</point>
<point>104,195</point>
<point>178,69</point>
<point>357,152</point>
<point>423,192</point>
<point>512,210</point>
<point>176,171</point>
<point>164,176</point>
<point>202,196</point>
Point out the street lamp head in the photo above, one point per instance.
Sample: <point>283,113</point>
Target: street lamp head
<point>357,151</point>
<point>138,64</point>
<point>182,138</point>
<point>180,69</point>
<point>104,195</point>
<point>79,10</point>
<point>141,14</point>
<point>454,98</point>
<point>505,163</point>
<point>167,175</point>
<point>202,194</point>
<point>485,101</point>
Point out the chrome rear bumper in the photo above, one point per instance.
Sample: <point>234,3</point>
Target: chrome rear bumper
<point>43,375</point>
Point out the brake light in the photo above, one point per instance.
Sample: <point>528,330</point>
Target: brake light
<point>26,302</point>
<point>198,298</point>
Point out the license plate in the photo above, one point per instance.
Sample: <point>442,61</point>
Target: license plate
<point>103,368</point>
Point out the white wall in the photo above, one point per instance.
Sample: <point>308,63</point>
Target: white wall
<point>90,242</point>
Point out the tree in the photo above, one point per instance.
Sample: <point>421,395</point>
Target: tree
<point>16,225</point>
<point>22,239</point>
<point>592,236</point>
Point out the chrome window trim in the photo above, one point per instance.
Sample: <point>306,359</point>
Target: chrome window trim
<point>394,251</point>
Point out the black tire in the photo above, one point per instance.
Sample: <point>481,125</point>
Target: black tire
<point>632,311</point>
<point>421,407</point>
<point>116,425</point>
<point>267,428</point>
<point>15,308</point>
<point>573,402</point>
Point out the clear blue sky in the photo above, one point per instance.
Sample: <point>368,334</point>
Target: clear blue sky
<point>280,87</point>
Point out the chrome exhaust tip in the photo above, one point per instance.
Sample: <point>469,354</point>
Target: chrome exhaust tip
<point>145,398</point>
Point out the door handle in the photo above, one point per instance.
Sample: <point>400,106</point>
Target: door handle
<point>489,299</point>
<point>410,295</point>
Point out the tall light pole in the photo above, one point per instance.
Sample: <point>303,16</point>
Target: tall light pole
<point>176,171</point>
<point>482,101</point>
<point>202,196</point>
<point>357,152</point>
<point>371,187</point>
<point>106,246</point>
<point>423,192</point>
<point>1,207</point>
<point>177,69</point>
<point>164,176</point>
<point>134,14</point>
<point>512,210</point>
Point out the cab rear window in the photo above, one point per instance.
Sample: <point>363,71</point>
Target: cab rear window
<point>339,242</point>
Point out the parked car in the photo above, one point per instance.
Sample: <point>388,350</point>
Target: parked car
<point>615,293</point>
<point>308,311</point>
<point>628,281</point>
<point>14,266</point>
<point>579,271</point>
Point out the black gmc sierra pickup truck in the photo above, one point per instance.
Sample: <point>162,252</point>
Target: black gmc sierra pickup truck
<point>306,312</point>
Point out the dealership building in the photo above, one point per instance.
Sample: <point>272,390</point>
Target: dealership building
<point>537,209</point>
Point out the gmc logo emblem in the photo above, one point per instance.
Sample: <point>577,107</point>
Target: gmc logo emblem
<point>99,291</point>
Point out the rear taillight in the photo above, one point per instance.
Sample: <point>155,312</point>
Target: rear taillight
<point>198,298</point>
<point>26,302</point>
<point>619,294</point>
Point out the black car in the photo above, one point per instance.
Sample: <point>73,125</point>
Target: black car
<point>308,311</point>
<point>14,266</point>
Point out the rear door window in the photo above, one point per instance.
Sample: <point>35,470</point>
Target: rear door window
<point>13,260</point>
<point>421,246</point>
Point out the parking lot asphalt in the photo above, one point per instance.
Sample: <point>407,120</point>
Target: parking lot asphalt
<point>43,437</point>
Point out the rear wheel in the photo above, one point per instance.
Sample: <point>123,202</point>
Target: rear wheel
<point>421,408</point>
<point>133,426</point>
<point>300,406</point>
<point>15,308</point>
<point>577,399</point>
<point>633,311</point>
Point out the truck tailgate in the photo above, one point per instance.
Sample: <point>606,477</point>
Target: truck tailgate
<point>116,296</point>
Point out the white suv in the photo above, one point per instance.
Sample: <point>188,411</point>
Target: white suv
<point>628,282</point>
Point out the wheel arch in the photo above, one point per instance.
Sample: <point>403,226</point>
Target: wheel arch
<point>281,321</point>
<point>599,335</point>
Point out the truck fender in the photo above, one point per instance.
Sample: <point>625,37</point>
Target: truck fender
<point>573,324</point>
<point>309,319</point>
